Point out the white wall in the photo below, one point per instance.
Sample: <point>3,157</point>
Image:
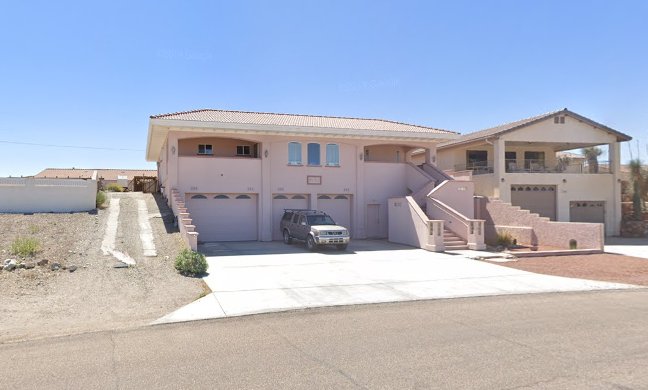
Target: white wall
<point>29,195</point>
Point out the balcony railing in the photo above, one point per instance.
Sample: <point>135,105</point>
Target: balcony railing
<point>537,166</point>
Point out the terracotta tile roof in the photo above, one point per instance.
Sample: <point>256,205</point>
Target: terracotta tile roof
<point>267,118</point>
<point>106,174</point>
<point>504,128</point>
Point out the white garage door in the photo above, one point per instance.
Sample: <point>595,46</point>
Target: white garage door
<point>337,206</point>
<point>587,211</point>
<point>224,217</point>
<point>285,201</point>
<point>535,198</point>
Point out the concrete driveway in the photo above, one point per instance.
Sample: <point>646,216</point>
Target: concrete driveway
<point>635,247</point>
<point>257,277</point>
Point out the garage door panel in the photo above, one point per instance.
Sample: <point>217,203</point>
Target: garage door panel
<point>280,202</point>
<point>224,217</point>
<point>540,199</point>
<point>587,211</point>
<point>338,207</point>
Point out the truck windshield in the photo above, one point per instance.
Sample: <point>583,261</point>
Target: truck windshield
<point>320,220</point>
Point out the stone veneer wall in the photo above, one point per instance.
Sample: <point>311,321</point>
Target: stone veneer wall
<point>500,216</point>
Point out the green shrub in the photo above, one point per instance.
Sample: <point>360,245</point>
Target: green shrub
<point>101,198</point>
<point>504,239</point>
<point>25,247</point>
<point>114,187</point>
<point>191,263</point>
<point>573,244</point>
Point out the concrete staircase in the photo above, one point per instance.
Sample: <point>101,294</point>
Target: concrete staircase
<point>453,242</point>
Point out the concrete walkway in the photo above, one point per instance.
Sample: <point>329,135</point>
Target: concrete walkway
<point>256,277</point>
<point>635,247</point>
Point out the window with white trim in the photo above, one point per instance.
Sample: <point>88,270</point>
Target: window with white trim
<point>243,150</point>
<point>332,155</point>
<point>205,149</point>
<point>313,154</point>
<point>294,153</point>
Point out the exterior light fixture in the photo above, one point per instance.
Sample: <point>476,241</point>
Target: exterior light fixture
<point>265,153</point>
<point>564,180</point>
<point>361,156</point>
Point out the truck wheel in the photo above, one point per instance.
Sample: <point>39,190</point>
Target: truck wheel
<point>286,237</point>
<point>310,243</point>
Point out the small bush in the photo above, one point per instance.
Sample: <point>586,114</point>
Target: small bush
<point>101,198</point>
<point>25,247</point>
<point>504,239</point>
<point>191,263</point>
<point>114,187</point>
<point>573,244</point>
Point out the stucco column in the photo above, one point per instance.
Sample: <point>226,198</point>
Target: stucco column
<point>359,203</point>
<point>614,155</point>
<point>265,194</point>
<point>430,154</point>
<point>173,165</point>
<point>499,171</point>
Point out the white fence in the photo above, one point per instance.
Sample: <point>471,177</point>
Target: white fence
<point>30,195</point>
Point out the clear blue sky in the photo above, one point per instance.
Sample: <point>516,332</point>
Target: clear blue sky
<point>91,73</point>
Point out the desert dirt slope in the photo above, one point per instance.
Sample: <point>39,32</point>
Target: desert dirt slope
<point>38,302</point>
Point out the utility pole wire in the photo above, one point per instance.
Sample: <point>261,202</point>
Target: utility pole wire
<point>69,146</point>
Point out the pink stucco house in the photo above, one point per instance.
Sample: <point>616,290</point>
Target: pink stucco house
<point>233,173</point>
<point>228,175</point>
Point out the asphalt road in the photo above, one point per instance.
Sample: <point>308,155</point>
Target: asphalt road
<point>596,340</point>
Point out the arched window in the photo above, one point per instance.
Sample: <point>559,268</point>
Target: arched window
<point>323,197</point>
<point>294,153</point>
<point>199,197</point>
<point>280,197</point>
<point>221,196</point>
<point>299,197</point>
<point>243,196</point>
<point>341,197</point>
<point>313,154</point>
<point>332,155</point>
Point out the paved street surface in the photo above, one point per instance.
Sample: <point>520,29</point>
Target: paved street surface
<point>261,277</point>
<point>591,340</point>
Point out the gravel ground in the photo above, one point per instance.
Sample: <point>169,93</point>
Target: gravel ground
<point>40,303</point>
<point>605,266</point>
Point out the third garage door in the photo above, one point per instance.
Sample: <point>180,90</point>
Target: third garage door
<point>338,207</point>
<point>224,217</point>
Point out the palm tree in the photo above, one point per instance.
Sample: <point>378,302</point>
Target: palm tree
<point>592,154</point>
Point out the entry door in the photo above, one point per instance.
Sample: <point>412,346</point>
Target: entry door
<point>376,222</point>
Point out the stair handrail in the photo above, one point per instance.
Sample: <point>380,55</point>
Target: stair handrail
<point>474,228</point>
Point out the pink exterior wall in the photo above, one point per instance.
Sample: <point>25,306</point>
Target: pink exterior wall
<point>410,226</point>
<point>364,182</point>
<point>458,195</point>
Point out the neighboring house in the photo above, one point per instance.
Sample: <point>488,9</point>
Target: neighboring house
<point>133,179</point>
<point>230,174</point>
<point>519,163</point>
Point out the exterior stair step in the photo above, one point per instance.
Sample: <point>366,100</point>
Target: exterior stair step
<point>451,241</point>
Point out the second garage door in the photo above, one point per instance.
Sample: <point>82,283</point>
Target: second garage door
<point>281,202</point>
<point>587,211</point>
<point>224,217</point>
<point>338,207</point>
<point>535,198</point>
